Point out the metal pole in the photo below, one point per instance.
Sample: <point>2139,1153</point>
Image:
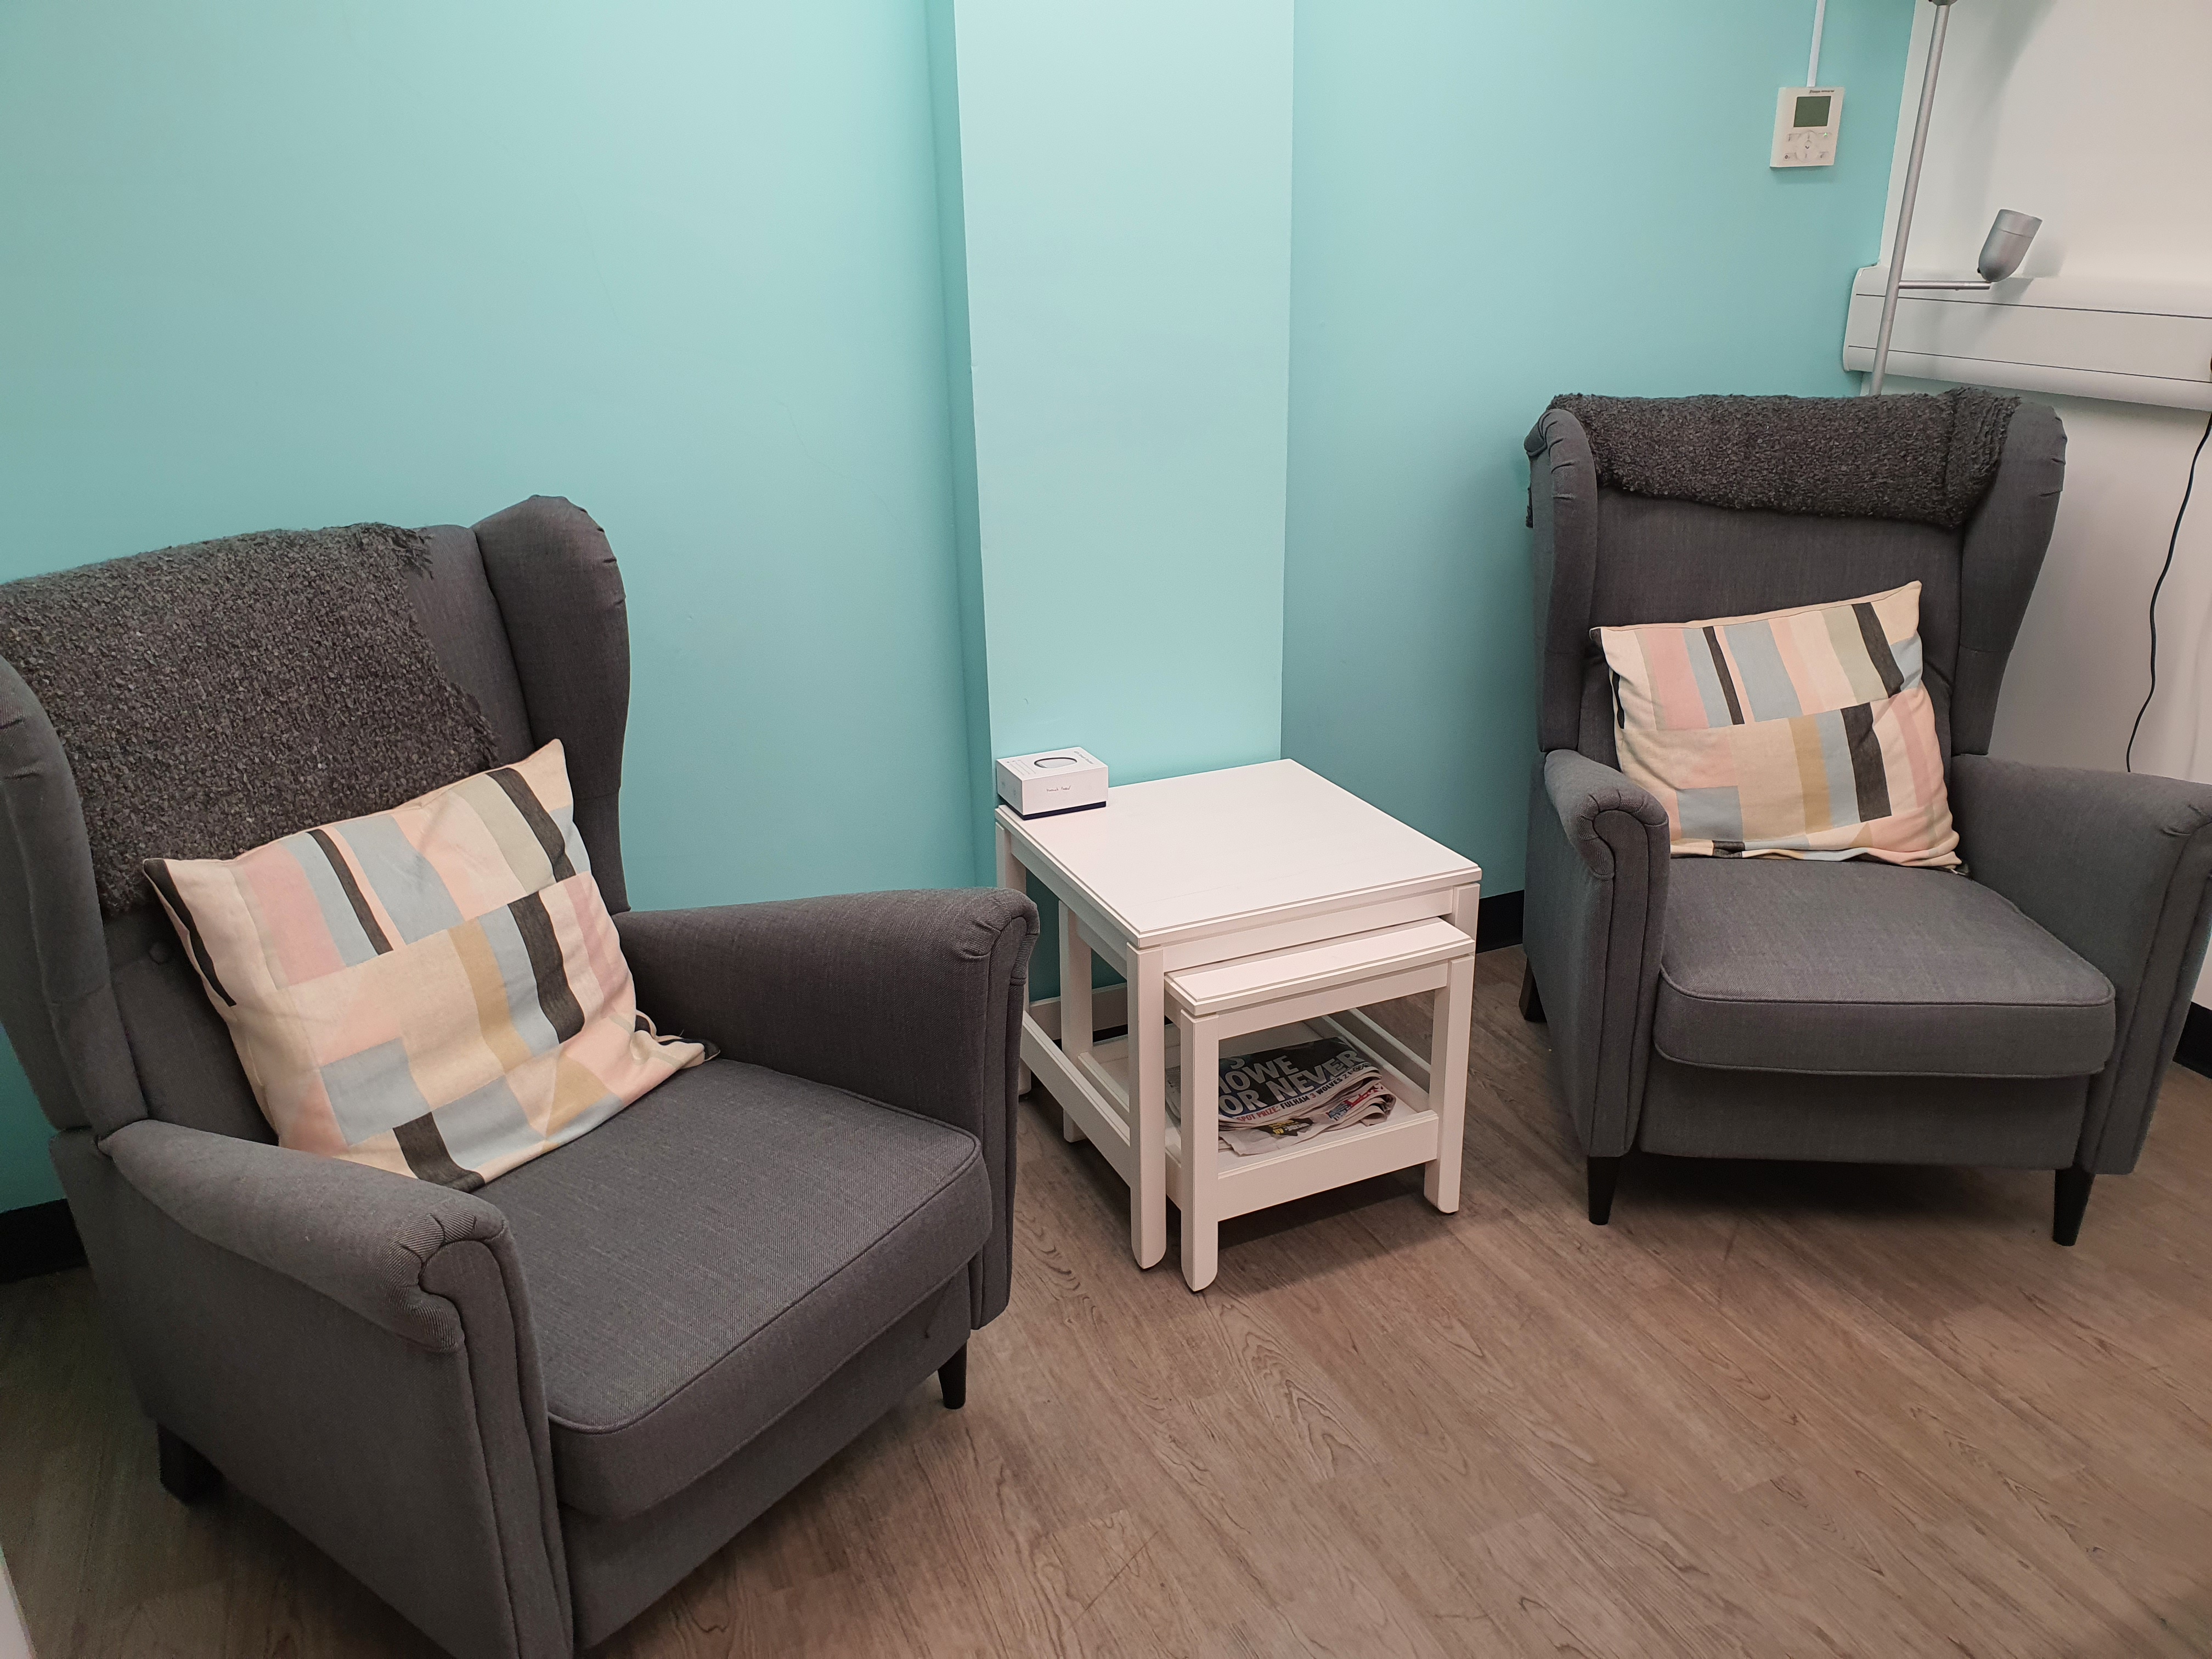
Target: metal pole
<point>1912,191</point>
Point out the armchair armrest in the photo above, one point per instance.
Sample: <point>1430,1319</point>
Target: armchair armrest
<point>1597,905</point>
<point>351,1348</point>
<point>2118,867</point>
<point>361,1239</point>
<point>912,998</point>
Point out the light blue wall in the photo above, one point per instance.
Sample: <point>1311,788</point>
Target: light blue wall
<point>26,1177</point>
<point>1125,170</point>
<point>1119,266</point>
<point>696,267</point>
<point>1496,203</point>
<point>296,262</point>
<point>960,395</point>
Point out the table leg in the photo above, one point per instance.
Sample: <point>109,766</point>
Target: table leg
<point>1148,1102</point>
<point>1010,874</point>
<point>1077,1027</point>
<point>1449,1038</point>
<point>1198,1193</point>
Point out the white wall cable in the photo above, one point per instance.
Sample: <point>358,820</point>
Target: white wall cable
<point>1819,21</point>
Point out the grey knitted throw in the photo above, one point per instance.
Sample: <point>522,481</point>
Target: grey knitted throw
<point>216,696</point>
<point>1927,457</point>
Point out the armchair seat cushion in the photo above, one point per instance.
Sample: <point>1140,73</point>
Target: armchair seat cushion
<point>698,1265</point>
<point>1868,969</point>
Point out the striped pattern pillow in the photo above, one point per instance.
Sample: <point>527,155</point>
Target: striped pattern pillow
<point>437,990</point>
<point>1803,733</point>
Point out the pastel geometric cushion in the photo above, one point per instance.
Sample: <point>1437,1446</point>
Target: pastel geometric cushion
<point>1803,733</point>
<point>437,990</point>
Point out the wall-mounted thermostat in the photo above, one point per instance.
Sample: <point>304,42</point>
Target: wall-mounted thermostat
<point>1806,119</point>
<point>1056,781</point>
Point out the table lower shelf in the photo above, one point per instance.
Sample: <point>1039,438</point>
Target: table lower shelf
<point>1096,1096</point>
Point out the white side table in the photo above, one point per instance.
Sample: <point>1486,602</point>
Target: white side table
<point>1304,992</point>
<point>1187,873</point>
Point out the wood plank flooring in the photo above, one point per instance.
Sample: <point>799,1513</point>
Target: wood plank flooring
<point>1772,1410</point>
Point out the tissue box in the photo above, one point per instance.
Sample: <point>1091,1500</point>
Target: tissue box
<point>1054,780</point>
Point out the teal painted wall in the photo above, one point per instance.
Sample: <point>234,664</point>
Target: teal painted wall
<point>1125,170</point>
<point>1496,203</point>
<point>25,1177</point>
<point>1120,329</point>
<point>309,262</point>
<point>960,395</point>
<point>953,380</point>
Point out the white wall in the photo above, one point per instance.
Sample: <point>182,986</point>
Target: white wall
<point>2089,114</point>
<point>15,1642</point>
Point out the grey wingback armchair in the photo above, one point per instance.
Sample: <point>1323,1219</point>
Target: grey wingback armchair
<point>1853,1012</point>
<point>521,1415</point>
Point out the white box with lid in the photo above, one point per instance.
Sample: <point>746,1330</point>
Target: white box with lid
<point>1053,781</point>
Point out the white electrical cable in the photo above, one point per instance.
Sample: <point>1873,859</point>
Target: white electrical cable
<point>1819,21</point>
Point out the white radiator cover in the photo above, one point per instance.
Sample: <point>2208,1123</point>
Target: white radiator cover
<point>2137,343</point>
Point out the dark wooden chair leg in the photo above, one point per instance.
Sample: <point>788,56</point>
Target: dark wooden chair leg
<point>185,1475</point>
<point>1604,1176</point>
<point>2069,1201</point>
<point>1532,1005</point>
<point>952,1380</point>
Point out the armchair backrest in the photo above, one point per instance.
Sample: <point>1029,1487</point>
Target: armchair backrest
<point>523,612</point>
<point>1604,558</point>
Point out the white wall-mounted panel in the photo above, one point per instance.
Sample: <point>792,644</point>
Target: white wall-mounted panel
<point>2090,115</point>
<point>2145,343</point>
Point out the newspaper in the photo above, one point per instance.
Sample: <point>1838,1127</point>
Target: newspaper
<point>1282,1094</point>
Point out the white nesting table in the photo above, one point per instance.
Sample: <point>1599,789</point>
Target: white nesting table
<point>1253,866</point>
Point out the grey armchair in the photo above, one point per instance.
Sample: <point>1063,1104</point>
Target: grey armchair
<point>1853,1012</point>
<point>521,1415</point>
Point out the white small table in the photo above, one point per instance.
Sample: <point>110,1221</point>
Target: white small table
<point>1255,862</point>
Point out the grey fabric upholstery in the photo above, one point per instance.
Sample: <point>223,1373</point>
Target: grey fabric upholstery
<point>1928,457</point>
<point>1598,871</point>
<point>1784,965</point>
<point>735,1276</point>
<point>2000,557</point>
<point>455,609</point>
<point>54,990</point>
<point>1596,739</point>
<point>387,1404</point>
<point>356,1235</point>
<point>1563,511</point>
<point>560,596</point>
<point>2021,1017</point>
<point>1606,559</point>
<point>187,1066</point>
<point>203,693</point>
<point>706,1260</point>
<point>619,1567</point>
<point>911,998</point>
<point>1677,560</point>
<point>2120,868</point>
<point>2003,1123</point>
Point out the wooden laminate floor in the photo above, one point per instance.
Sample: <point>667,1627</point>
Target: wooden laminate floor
<point>1772,1410</point>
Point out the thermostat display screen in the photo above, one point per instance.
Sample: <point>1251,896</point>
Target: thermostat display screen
<point>1811,112</point>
